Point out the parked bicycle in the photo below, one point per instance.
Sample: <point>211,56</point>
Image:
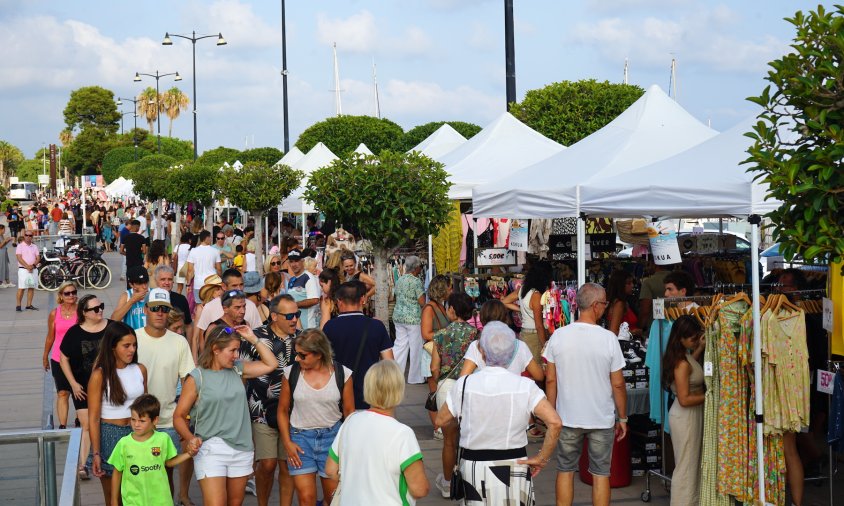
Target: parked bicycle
<point>73,262</point>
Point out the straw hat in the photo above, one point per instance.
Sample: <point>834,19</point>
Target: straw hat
<point>211,282</point>
<point>632,231</point>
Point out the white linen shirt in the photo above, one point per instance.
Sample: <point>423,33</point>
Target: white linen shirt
<point>496,410</point>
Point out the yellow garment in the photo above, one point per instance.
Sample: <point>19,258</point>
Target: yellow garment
<point>447,243</point>
<point>837,296</point>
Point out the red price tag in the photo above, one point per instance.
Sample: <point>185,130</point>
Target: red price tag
<point>826,381</point>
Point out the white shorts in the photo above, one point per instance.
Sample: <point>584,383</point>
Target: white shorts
<point>27,279</point>
<point>443,388</point>
<point>217,459</point>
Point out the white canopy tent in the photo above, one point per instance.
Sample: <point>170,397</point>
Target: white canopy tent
<point>319,156</point>
<point>503,147</point>
<point>708,180</point>
<point>291,157</point>
<point>363,150</point>
<point>120,187</point>
<point>444,140</point>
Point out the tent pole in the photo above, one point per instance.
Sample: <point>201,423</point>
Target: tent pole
<point>278,229</point>
<point>430,261</point>
<point>475,242</point>
<point>304,226</point>
<point>581,243</point>
<point>757,354</point>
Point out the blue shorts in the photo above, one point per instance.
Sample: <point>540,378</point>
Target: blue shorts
<point>174,436</point>
<point>110,434</point>
<point>315,443</point>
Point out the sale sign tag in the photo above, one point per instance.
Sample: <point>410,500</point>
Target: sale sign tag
<point>826,381</point>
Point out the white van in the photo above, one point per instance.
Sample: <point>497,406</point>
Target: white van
<point>22,190</point>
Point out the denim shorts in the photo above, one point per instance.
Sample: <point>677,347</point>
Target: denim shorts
<point>315,443</point>
<point>600,449</point>
<point>110,434</point>
<point>174,436</point>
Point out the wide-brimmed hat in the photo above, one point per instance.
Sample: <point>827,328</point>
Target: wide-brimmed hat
<point>252,282</point>
<point>632,231</point>
<point>211,282</point>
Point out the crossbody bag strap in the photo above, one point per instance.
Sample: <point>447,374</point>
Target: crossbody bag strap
<point>459,421</point>
<point>360,350</point>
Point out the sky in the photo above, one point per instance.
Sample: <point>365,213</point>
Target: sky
<point>436,60</point>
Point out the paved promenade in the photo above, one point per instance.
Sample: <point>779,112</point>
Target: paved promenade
<point>23,391</point>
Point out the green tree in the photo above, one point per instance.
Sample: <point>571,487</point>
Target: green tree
<point>173,101</point>
<point>193,182</point>
<point>256,188</point>
<point>342,134</point>
<point>219,156</point>
<point>92,107</point>
<point>152,162</point>
<point>803,168</point>
<point>569,111</point>
<point>150,183</point>
<point>28,170</point>
<point>85,154</point>
<point>393,199</point>
<point>115,158</point>
<point>268,155</point>
<point>417,134</point>
<point>149,106</point>
<point>10,157</point>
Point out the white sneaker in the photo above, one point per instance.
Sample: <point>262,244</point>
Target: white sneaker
<point>443,485</point>
<point>250,486</point>
<point>438,434</point>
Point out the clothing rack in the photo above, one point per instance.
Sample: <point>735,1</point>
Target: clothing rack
<point>836,366</point>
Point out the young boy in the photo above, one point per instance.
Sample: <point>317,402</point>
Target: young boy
<point>144,454</point>
<point>239,261</point>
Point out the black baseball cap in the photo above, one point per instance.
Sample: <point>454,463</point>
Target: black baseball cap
<point>137,274</point>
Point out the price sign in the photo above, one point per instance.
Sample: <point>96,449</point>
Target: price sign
<point>496,256</point>
<point>826,381</point>
<point>828,314</point>
<point>707,244</point>
<point>707,369</point>
<point>659,309</point>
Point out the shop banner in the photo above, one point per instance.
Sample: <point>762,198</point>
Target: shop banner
<point>663,239</point>
<point>562,244</point>
<point>602,243</point>
<point>496,256</point>
<point>518,236</point>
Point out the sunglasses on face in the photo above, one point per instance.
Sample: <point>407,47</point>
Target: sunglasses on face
<point>290,316</point>
<point>27,235</point>
<point>70,294</point>
<point>159,309</point>
<point>302,354</point>
<point>95,309</point>
<point>221,238</point>
<point>275,263</point>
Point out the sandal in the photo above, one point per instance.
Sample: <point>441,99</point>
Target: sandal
<point>83,473</point>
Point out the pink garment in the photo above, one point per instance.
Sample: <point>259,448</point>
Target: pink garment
<point>501,232</point>
<point>28,253</point>
<point>465,221</point>
<point>61,324</point>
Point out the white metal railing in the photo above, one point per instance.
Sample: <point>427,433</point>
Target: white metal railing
<point>46,442</point>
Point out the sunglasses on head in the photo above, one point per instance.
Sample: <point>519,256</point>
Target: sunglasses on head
<point>290,316</point>
<point>70,294</point>
<point>95,309</point>
<point>159,309</point>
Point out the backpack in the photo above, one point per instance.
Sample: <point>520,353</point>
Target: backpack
<point>339,376</point>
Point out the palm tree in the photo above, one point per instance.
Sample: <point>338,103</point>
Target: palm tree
<point>149,105</point>
<point>173,101</point>
<point>66,136</point>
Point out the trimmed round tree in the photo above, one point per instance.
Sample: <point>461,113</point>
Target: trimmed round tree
<point>393,199</point>
<point>117,157</point>
<point>192,182</point>
<point>342,134</point>
<point>256,188</point>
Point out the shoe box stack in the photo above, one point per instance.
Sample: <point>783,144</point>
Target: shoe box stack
<point>645,451</point>
<point>635,372</point>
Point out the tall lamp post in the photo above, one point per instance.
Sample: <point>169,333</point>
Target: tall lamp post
<point>284,76</point>
<point>193,38</point>
<point>158,76</point>
<point>134,130</point>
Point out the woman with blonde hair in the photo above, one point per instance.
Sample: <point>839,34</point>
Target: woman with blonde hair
<point>223,430</point>
<point>334,260</point>
<point>58,323</point>
<point>374,468</point>
<point>316,393</point>
<point>434,318</point>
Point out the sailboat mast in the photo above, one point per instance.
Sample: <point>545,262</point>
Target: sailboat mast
<point>625,71</point>
<point>375,86</point>
<point>672,84</point>
<point>338,105</point>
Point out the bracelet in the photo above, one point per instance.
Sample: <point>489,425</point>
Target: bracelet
<point>622,420</point>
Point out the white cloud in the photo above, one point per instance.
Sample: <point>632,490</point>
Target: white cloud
<point>704,37</point>
<point>242,26</point>
<point>480,37</point>
<point>357,33</point>
<point>624,5</point>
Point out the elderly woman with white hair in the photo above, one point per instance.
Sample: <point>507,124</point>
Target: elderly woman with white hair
<point>407,315</point>
<point>493,408</point>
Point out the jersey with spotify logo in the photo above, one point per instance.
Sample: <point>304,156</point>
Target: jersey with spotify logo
<point>142,464</point>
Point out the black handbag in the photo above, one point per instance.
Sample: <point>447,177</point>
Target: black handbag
<point>431,400</point>
<point>458,488</point>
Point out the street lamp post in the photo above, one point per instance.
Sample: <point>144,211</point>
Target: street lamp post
<point>193,38</point>
<point>284,76</point>
<point>158,76</point>
<point>134,130</point>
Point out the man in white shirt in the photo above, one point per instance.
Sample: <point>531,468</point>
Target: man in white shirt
<point>142,217</point>
<point>304,287</point>
<point>203,261</point>
<point>167,357</point>
<point>584,380</point>
<point>159,227</point>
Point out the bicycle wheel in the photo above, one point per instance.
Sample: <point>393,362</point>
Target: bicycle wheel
<point>79,272</point>
<point>98,276</point>
<point>51,277</point>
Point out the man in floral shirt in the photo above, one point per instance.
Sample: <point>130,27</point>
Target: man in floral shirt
<point>262,394</point>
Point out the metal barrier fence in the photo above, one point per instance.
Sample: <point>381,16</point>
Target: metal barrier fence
<point>46,442</point>
<point>50,241</point>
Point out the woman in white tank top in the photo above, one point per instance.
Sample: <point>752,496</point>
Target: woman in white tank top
<point>116,381</point>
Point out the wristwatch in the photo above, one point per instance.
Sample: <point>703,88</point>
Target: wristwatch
<point>622,420</point>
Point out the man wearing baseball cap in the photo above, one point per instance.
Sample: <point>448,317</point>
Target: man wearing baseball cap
<point>167,357</point>
<point>130,306</point>
<point>304,287</point>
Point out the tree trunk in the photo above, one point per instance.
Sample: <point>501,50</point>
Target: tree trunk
<point>382,290</point>
<point>259,237</point>
<point>209,218</point>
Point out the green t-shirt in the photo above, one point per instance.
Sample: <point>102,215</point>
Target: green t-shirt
<point>144,481</point>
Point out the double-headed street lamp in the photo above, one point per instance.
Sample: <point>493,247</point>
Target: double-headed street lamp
<point>134,131</point>
<point>193,38</point>
<point>158,76</point>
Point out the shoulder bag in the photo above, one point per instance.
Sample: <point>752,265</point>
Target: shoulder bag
<point>431,400</point>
